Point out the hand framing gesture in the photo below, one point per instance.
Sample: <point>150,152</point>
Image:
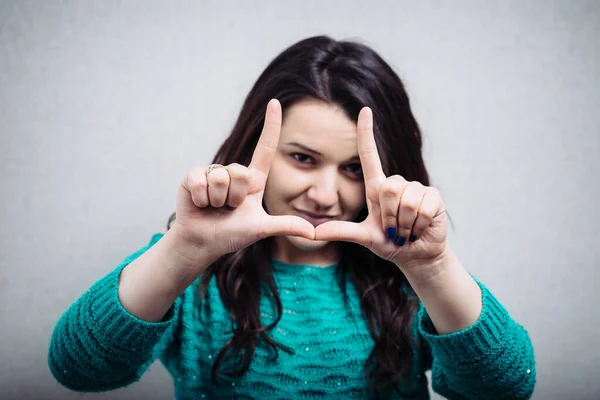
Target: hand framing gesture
<point>406,223</point>
<point>202,216</point>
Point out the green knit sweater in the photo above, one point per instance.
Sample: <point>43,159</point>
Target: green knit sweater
<point>97,345</point>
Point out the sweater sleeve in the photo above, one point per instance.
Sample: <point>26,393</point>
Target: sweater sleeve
<point>492,359</point>
<point>97,345</point>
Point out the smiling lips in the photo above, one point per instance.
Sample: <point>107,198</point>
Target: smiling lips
<point>315,219</point>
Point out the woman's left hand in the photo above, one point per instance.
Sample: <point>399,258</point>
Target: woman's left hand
<point>407,221</point>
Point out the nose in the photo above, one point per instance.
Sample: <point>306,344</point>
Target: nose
<point>323,189</point>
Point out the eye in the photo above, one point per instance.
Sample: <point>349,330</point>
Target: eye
<point>355,169</point>
<point>302,158</point>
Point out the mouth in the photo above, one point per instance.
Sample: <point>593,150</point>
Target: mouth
<point>315,219</point>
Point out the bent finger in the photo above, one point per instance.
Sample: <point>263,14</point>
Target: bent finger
<point>430,206</point>
<point>390,194</point>
<point>218,185</point>
<point>239,184</point>
<point>195,183</point>
<point>410,203</point>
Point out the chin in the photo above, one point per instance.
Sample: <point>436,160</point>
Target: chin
<point>307,244</point>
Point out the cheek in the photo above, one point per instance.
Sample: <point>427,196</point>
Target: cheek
<point>284,182</point>
<point>353,198</point>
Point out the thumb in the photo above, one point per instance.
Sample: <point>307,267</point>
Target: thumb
<point>343,231</point>
<point>286,225</point>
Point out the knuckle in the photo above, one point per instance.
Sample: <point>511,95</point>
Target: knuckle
<point>390,221</point>
<point>409,207</point>
<point>426,215</point>
<point>235,200</point>
<point>219,183</point>
<point>216,200</point>
<point>200,202</point>
<point>234,168</point>
<point>240,175</point>
<point>197,184</point>
<point>434,192</point>
<point>398,180</point>
<point>197,170</point>
<point>391,188</point>
<point>404,230</point>
<point>199,188</point>
<point>193,176</point>
<point>218,178</point>
<point>234,204</point>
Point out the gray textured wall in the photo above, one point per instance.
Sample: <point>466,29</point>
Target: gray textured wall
<point>104,105</point>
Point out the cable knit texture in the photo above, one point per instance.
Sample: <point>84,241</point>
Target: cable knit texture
<point>97,345</point>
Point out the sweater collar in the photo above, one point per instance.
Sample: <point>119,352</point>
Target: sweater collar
<point>283,268</point>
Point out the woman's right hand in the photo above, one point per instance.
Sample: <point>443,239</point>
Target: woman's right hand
<point>203,218</point>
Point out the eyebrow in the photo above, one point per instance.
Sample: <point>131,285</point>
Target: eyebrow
<point>309,150</point>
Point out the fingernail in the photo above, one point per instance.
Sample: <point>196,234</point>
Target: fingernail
<point>390,232</point>
<point>400,240</point>
<point>412,238</point>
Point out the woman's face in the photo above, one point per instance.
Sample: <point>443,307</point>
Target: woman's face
<point>316,174</point>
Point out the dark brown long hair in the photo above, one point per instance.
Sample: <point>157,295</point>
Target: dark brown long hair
<point>351,76</point>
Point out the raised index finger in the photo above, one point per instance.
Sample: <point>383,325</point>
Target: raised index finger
<point>269,138</point>
<point>367,149</point>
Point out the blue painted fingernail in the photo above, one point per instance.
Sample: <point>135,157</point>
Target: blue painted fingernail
<point>400,240</point>
<point>412,238</point>
<point>390,232</point>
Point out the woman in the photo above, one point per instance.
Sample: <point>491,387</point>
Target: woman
<point>310,261</point>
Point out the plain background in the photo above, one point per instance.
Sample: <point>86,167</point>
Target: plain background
<point>105,105</point>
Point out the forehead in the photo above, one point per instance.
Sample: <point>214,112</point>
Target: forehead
<point>322,127</point>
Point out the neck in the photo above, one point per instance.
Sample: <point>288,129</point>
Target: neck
<point>287,252</point>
